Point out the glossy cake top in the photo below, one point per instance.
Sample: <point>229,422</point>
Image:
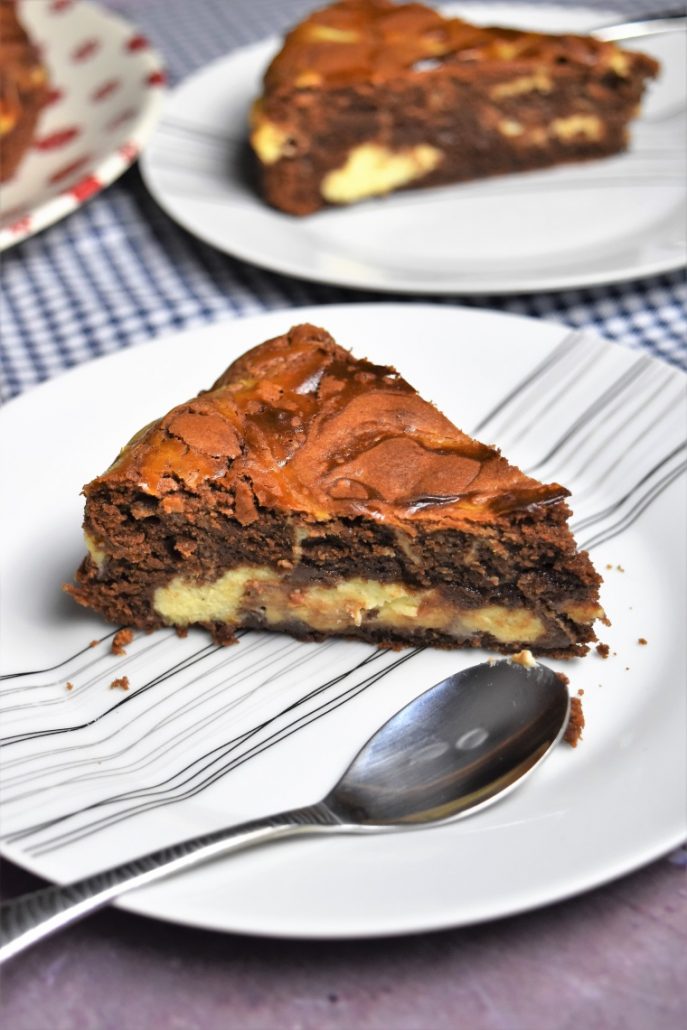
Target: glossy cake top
<point>373,40</point>
<point>299,425</point>
<point>21,71</point>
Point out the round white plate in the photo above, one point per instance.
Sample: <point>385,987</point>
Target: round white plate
<point>107,88</point>
<point>575,225</point>
<point>102,775</point>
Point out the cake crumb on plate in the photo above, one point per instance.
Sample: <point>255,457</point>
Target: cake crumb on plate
<point>121,638</point>
<point>573,733</point>
<point>523,658</point>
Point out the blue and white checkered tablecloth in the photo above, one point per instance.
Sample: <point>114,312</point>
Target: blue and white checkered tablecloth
<point>119,271</point>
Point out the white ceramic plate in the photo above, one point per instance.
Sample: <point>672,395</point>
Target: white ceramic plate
<point>107,87</point>
<point>94,754</point>
<point>602,221</point>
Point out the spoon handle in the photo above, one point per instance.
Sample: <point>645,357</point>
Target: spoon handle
<point>31,917</point>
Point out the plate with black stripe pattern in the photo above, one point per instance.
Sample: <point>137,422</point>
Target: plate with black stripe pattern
<point>94,774</point>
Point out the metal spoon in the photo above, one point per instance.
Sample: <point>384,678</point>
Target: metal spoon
<point>453,750</point>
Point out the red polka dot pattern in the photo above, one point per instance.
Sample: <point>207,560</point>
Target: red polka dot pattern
<point>59,138</point>
<point>157,78</point>
<point>137,42</point>
<point>120,119</point>
<point>106,90</point>
<point>84,51</point>
<point>69,169</point>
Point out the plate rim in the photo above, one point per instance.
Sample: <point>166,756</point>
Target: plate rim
<point>522,906</point>
<point>113,164</point>
<point>479,286</point>
<point>613,870</point>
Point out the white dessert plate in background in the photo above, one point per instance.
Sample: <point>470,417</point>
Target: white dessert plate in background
<point>205,737</point>
<point>575,225</point>
<point>107,85</point>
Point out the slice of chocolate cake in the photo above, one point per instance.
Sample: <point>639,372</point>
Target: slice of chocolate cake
<point>368,96</point>
<point>23,90</point>
<point>314,493</point>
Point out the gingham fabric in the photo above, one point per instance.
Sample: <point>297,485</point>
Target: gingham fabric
<point>119,271</point>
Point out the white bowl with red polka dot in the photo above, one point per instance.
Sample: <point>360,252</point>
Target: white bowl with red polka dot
<point>107,86</point>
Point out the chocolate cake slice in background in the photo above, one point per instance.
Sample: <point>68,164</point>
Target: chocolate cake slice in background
<point>369,96</point>
<point>314,493</point>
<point>23,90</point>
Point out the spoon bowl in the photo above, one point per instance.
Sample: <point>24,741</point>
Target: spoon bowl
<point>456,748</point>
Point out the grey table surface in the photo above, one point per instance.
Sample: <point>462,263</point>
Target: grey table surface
<point>613,958</point>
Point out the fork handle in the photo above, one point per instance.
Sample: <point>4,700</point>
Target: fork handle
<point>654,25</point>
<point>31,917</point>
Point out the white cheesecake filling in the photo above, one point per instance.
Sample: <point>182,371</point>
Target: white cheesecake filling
<point>569,129</point>
<point>269,141</point>
<point>98,556</point>
<point>351,603</point>
<point>574,126</point>
<point>371,170</point>
<point>538,82</point>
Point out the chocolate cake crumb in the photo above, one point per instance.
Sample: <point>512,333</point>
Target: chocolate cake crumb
<point>603,650</point>
<point>580,692</point>
<point>94,643</point>
<point>121,638</point>
<point>642,641</point>
<point>565,680</point>
<point>573,732</point>
<point>620,568</point>
<point>121,683</point>
<point>70,685</point>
